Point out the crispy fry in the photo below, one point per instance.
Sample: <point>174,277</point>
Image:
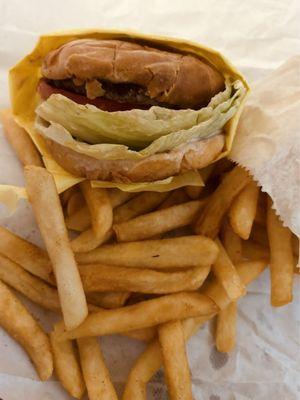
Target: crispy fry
<point>108,299</point>
<point>281,260</point>
<point>161,221</point>
<point>100,208</point>
<point>176,367</point>
<point>227,275</point>
<point>183,252</point>
<point>26,254</point>
<point>75,203</point>
<point>259,235</point>
<point>67,194</point>
<point>243,209</point>
<point>88,241</point>
<point>21,325</point>
<point>194,192</point>
<point>226,328</point>
<point>80,220</point>
<point>66,365</point>
<point>144,335</point>
<point>143,315</point>
<point>102,278</point>
<point>45,202</point>
<point>20,141</point>
<point>232,243</point>
<point>30,286</point>
<point>254,251</point>
<point>222,166</point>
<point>210,220</point>
<point>140,204</point>
<point>177,196</point>
<point>150,361</point>
<point>247,270</point>
<point>117,197</point>
<point>95,372</point>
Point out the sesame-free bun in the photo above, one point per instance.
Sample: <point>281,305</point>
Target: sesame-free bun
<point>191,156</point>
<point>177,79</point>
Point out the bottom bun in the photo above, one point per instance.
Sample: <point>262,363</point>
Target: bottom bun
<point>194,155</point>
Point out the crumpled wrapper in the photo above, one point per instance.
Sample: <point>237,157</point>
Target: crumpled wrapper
<point>265,362</point>
<point>268,140</point>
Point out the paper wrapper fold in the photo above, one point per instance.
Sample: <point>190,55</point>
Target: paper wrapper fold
<point>267,143</point>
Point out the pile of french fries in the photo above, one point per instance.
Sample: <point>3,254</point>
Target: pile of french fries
<point>151,266</point>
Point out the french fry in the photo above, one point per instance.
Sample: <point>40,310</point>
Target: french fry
<point>31,257</point>
<point>102,278</point>
<point>140,204</point>
<point>227,275</point>
<point>30,286</point>
<point>226,328</point>
<point>100,208</point>
<point>88,241</point>
<point>157,222</point>
<point>210,220</point>
<point>108,299</point>
<point>194,192</point>
<point>20,140</point>
<point>79,220</point>
<point>117,197</point>
<point>144,335</point>
<point>281,260</point>
<point>150,361</point>
<point>183,252</point>
<point>247,270</point>
<point>43,196</point>
<point>66,364</point>
<point>254,251</point>
<point>232,243</point>
<point>222,166</point>
<point>177,196</point>
<point>75,203</point>
<point>95,372</point>
<point>243,209</point>
<point>143,315</point>
<point>20,324</point>
<point>67,194</point>
<point>259,235</point>
<point>176,367</point>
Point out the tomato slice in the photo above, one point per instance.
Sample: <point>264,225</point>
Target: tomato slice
<point>45,90</point>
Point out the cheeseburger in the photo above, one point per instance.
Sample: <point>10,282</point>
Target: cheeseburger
<point>129,110</point>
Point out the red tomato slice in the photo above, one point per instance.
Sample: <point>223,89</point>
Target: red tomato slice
<point>45,90</point>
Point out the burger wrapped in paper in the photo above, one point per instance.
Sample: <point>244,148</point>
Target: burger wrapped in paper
<point>127,110</point>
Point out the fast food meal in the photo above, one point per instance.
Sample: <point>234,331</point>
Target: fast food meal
<point>149,230</point>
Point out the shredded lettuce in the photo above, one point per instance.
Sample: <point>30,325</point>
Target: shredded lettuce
<point>116,135</point>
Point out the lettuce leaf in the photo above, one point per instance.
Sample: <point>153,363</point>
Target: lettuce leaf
<point>113,133</point>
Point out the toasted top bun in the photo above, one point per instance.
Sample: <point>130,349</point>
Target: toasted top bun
<point>168,77</point>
